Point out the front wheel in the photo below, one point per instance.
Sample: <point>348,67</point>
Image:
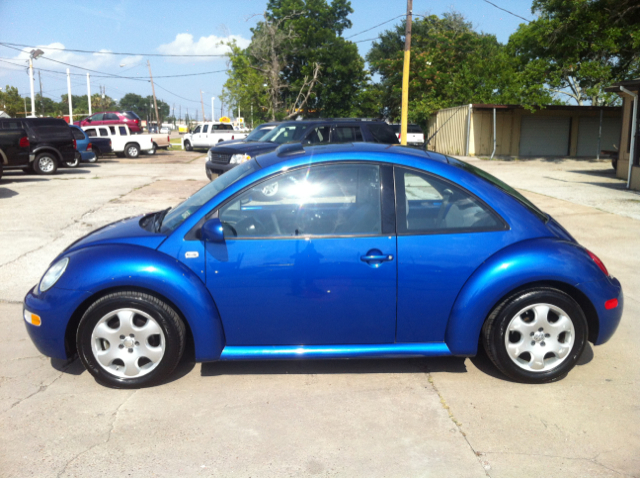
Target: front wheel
<point>536,336</point>
<point>187,146</point>
<point>45,164</point>
<point>130,340</point>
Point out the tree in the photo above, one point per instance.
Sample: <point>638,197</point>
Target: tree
<point>143,106</point>
<point>316,27</point>
<point>579,47</point>
<point>11,102</point>
<point>451,65</point>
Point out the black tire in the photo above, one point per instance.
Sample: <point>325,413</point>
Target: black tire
<point>132,150</point>
<point>96,151</point>
<point>153,150</point>
<point>1,170</point>
<point>495,330</point>
<point>614,163</point>
<point>76,161</point>
<point>170,323</point>
<point>45,164</point>
<point>187,146</point>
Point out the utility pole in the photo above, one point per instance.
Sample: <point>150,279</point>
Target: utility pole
<point>69,97</point>
<point>405,75</point>
<point>33,100</point>
<point>89,93</point>
<point>153,90</point>
<point>25,106</point>
<point>41,100</point>
<point>221,103</point>
<point>180,109</point>
<point>202,104</point>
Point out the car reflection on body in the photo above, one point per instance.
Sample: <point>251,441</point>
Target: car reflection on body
<point>338,251</point>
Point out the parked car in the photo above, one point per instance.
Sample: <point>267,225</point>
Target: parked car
<point>83,145</point>
<point>41,145</point>
<point>256,134</point>
<point>165,130</point>
<point>370,251</point>
<point>160,141</point>
<point>208,134</point>
<point>415,135</point>
<point>307,132</point>
<point>123,142</point>
<point>128,118</point>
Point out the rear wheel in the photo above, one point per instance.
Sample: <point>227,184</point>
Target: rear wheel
<point>536,336</point>
<point>132,150</point>
<point>96,151</point>
<point>187,146</point>
<point>130,339</point>
<point>45,164</point>
<point>76,160</point>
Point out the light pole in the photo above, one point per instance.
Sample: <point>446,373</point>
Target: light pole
<point>32,56</point>
<point>213,114</point>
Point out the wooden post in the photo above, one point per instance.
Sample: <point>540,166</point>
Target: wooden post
<point>405,75</point>
<point>155,103</point>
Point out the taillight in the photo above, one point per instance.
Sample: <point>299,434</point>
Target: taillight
<point>168,139</point>
<point>89,147</point>
<point>233,137</point>
<point>599,262</point>
<point>75,144</point>
<point>24,142</point>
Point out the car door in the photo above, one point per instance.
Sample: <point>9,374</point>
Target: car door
<point>346,134</point>
<point>307,259</point>
<point>317,135</point>
<point>444,234</point>
<point>195,137</point>
<point>205,135</point>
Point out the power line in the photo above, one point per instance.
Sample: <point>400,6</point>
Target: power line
<point>510,13</point>
<point>376,26</point>
<point>184,55</point>
<point>174,94</point>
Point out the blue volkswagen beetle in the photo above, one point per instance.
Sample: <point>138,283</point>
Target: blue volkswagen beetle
<point>339,251</point>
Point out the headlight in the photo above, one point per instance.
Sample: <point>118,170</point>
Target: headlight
<point>209,155</point>
<point>53,274</point>
<point>239,158</point>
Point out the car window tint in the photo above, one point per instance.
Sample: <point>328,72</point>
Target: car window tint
<point>123,131</point>
<point>11,125</point>
<point>197,130</point>
<point>346,134</point>
<point>319,134</point>
<point>427,204</point>
<point>335,200</point>
<point>205,129</point>
<point>227,127</point>
<point>111,116</point>
<point>103,132</point>
<point>382,133</point>
<point>77,134</point>
<point>414,129</point>
<point>285,133</point>
<point>97,117</point>
<point>90,132</point>
<point>112,129</point>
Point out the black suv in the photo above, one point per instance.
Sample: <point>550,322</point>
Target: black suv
<point>307,132</point>
<point>36,144</point>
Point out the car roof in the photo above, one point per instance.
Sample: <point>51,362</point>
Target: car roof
<point>290,150</point>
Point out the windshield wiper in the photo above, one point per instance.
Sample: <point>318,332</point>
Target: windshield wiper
<point>157,221</point>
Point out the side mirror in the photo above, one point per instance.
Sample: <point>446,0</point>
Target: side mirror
<point>212,231</point>
<point>88,119</point>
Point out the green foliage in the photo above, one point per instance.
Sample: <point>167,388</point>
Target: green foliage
<point>143,106</point>
<point>579,47</point>
<point>11,102</point>
<point>451,65</point>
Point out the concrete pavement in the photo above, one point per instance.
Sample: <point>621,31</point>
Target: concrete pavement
<point>418,417</point>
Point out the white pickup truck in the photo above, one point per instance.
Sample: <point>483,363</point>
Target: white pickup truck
<point>209,134</point>
<point>123,142</point>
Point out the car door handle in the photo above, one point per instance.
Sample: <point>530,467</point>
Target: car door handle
<point>376,257</point>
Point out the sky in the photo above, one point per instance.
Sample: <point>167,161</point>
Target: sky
<point>173,27</point>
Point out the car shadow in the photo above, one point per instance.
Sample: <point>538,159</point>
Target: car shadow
<point>335,366</point>
<point>7,193</point>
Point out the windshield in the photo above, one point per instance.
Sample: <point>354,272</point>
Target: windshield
<point>286,133</point>
<point>499,184</point>
<point>176,216</point>
<point>259,132</point>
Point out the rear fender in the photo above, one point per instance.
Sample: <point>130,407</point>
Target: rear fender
<point>107,267</point>
<point>50,149</point>
<point>533,261</point>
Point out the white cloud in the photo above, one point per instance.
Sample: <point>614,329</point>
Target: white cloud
<point>93,61</point>
<point>211,45</point>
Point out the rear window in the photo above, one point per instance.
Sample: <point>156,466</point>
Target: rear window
<point>414,129</point>
<point>51,129</point>
<point>383,133</point>
<point>11,125</point>
<point>77,134</point>
<point>123,131</point>
<point>501,185</point>
<point>90,132</point>
<point>130,115</point>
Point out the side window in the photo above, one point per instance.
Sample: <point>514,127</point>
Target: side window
<point>112,129</point>
<point>111,116</point>
<point>11,125</point>
<point>103,132</point>
<point>318,201</point>
<point>77,134</point>
<point>346,134</point>
<point>205,129</point>
<point>427,204</point>
<point>97,117</point>
<point>228,127</point>
<point>197,130</point>
<point>123,131</point>
<point>90,132</point>
<point>319,134</point>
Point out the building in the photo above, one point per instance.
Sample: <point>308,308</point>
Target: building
<point>553,131</point>
<point>626,170</point>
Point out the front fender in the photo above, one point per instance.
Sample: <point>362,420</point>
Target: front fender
<point>530,261</point>
<point>105,267</point>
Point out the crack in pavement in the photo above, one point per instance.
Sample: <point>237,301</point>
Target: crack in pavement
<point>446,407</point>
<point>114,417</point>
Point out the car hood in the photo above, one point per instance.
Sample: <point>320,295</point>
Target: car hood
<point>126,231</point>
<point>251,148</point>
